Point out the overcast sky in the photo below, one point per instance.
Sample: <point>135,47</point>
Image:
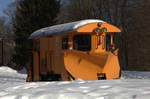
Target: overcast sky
<point>3,5</point>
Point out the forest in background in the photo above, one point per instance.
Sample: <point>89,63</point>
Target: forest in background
<point>131,16</point>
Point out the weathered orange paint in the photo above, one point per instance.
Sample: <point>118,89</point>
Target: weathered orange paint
<point>92,26</point>
<point>35,66</point>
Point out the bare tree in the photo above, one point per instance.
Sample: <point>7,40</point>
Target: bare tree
<point>10,11</point>
<point>79,9</point>
<point>2,27</point>
<point>111,11</point>
<point>139,35</point>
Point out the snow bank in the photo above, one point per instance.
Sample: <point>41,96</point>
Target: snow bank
<point>7,70</point>
<point>13,86</point>
<point>136,75</point>
<point>7,74</point>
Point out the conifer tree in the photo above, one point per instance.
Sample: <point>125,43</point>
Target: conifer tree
<point>31,15</point>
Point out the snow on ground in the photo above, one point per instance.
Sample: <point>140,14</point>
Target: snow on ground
<point>10,77</point>
<point>134,85</point>
<point>136,75</point>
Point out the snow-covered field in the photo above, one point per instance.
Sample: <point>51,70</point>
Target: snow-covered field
<point>134,85</point>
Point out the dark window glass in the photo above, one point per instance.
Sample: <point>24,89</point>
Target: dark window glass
<point>37,48</point>
<point>108,42</point>
<point>116,40</point>
<point>65,42</point>
<point>82,42</point>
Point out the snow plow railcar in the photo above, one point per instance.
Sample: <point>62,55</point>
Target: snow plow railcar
<point>82,49</point>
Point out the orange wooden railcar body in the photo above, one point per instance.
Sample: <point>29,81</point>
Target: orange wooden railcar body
<point>55,58</point>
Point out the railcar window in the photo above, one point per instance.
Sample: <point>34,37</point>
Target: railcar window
<point>65,42</point>
<point>82,42</point>
<point>116,40</point>
<point>37,48</point>
<point>108,42</point>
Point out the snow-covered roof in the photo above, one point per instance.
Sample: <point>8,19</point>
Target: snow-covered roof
<point>62,28</point>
